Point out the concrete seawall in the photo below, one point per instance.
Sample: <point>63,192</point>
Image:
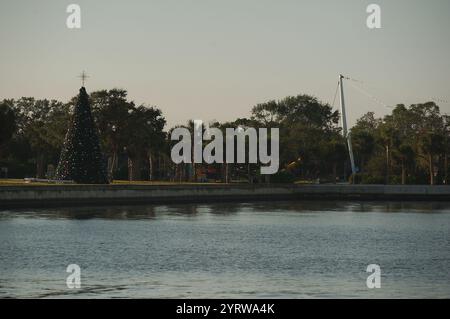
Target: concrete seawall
<point>70,195</point>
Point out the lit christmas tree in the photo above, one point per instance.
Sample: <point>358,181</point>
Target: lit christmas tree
<point>81,159</point>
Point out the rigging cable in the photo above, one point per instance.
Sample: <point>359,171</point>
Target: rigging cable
<point>369,95</point>
<point>439,100</point>
<point>442,100</point>
<point>335,94</point>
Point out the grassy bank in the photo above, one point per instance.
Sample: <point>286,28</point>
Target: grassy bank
<point>21,182</point>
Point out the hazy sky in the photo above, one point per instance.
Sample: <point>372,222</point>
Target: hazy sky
<point>208,59</point>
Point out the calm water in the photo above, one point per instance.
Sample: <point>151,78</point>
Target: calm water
<point>247,250</point>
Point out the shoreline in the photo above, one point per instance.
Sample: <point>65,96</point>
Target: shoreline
<point>39,196</point>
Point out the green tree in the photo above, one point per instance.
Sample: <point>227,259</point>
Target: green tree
<point>405,155</point>
<point>7,123</point>
<point>430,135</point>
<point>306,125</point>
<point>41,125</point>
<point>432,144</point>
<point>144,139</point>
<point>335,151</point>
<point>111,110</point>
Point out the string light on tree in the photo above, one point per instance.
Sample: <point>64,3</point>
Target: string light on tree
<point>81,159</point>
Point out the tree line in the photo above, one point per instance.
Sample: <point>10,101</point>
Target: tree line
<point>409,146</point>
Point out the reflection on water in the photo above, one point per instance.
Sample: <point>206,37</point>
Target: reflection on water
<point>151,211</point>
<point>291,249</point>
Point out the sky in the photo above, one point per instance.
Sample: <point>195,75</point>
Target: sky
<point>214,60</point>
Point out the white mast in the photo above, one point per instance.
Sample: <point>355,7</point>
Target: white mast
<point>344,126</point>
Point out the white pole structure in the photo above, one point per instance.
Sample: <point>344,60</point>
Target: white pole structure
<point>344,126</point>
